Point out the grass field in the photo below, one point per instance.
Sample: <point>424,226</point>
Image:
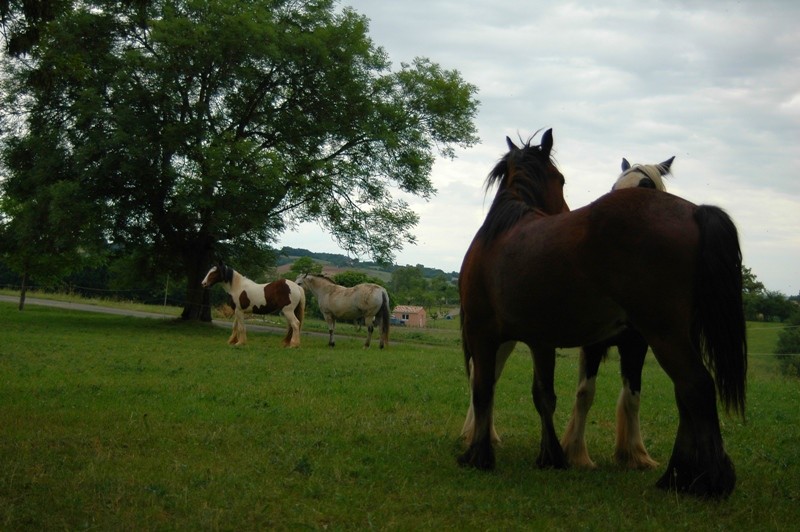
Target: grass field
<point>111,422</point>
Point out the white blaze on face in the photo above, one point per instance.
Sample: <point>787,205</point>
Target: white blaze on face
<point>210,278</point>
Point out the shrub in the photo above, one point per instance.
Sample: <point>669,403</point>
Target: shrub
<point>788,347</point>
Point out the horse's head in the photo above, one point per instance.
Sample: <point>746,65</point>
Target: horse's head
<point>217,274</point>
<point>527,181</point>
<point>527,174</point>
<point>643,175</point>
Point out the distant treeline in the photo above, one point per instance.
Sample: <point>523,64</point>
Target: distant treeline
<point>288,255</point>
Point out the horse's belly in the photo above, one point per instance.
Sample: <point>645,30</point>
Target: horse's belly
<point>571,322</point>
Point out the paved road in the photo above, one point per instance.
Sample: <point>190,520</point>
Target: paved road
<point>125,312</point>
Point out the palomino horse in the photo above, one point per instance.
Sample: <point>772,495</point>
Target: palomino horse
<point>544,276</point>
<point>249,297</point>
<point>366,300</point>
<point>630,451</point>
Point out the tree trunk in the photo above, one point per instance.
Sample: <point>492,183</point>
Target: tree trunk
<point>23,291</point>
<point>197,305</point>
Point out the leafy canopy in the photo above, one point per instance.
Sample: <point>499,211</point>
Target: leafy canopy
<point>207,128</point>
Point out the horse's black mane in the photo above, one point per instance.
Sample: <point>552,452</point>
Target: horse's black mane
<point>519,178</point>
<point>225,272</point>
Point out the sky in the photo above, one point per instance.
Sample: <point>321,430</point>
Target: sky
<point>715,83</point>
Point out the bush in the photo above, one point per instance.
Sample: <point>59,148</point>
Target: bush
<point>788,347</point>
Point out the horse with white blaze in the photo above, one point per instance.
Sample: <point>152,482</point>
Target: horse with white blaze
<point>249,297</point>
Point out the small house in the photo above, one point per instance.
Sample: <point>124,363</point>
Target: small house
<point>410,315</point>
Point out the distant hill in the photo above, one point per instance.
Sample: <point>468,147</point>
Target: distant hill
<point>334,263</point>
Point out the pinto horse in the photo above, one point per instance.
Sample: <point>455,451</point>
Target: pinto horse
<point>249,297</point>
<point>366,301</point>
<point>630,451</point>
<point>542,275</point>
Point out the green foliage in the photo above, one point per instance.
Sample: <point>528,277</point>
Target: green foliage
<point>762,304</point>
<point>788,346</point>
<point>352,278</point>
<point>304,265</point>
<point>160,424</point>
<point>202,130</point>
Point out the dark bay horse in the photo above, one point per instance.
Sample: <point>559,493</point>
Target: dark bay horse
<point>547,277</point>
<point>249,297</point>
<point>629,449</point>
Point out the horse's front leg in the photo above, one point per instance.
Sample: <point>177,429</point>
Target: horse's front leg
<point>331,326</point>
<point>482,354</point>
<point>233,338</point>
<point>544,398</point>
<point>468,430</point>
<point>574,440</point>
<point>240,334</point>
<point>630,450</point>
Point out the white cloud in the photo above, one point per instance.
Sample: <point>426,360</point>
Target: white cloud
<point>713,83</point>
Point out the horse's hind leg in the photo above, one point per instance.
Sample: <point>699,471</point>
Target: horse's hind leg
<point>630,451</point>
<point>292,338</point>
<point>468,430</point>
<point>574,441</point>
<point>370,329</point>
<point>699,464</point>
<point>544,398</point>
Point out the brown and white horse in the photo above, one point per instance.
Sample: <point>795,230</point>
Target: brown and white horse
<point>630,451</point>
<point>366,300</point>
<point>249,297</point>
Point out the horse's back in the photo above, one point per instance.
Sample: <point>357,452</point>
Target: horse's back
<point>353,302</point>
<point>641,248</point>
<point>641,241</point>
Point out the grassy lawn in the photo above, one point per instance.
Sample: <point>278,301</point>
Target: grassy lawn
<point>113,422</point>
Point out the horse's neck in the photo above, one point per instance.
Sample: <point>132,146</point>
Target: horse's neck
<point>323,286</point>
<point>238,283</point>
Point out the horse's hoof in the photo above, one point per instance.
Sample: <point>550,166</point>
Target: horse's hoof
<point>553,458</point>
<point>635,461</point>
<point>705,484</point>
<point>478,456</point>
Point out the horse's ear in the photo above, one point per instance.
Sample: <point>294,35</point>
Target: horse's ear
<point>664,167</point>
<point>625,165</point>
<point>511,145</point>
<point>547,142</point>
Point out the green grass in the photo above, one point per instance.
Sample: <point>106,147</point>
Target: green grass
<point>112,422</point>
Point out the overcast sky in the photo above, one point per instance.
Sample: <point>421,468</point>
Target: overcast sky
<point>715,83</point>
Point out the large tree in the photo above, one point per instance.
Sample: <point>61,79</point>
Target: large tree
<point>204,129</point>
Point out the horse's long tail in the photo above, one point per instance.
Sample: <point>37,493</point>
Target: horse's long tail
<point>385,319</point>
<point>718,313</point>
